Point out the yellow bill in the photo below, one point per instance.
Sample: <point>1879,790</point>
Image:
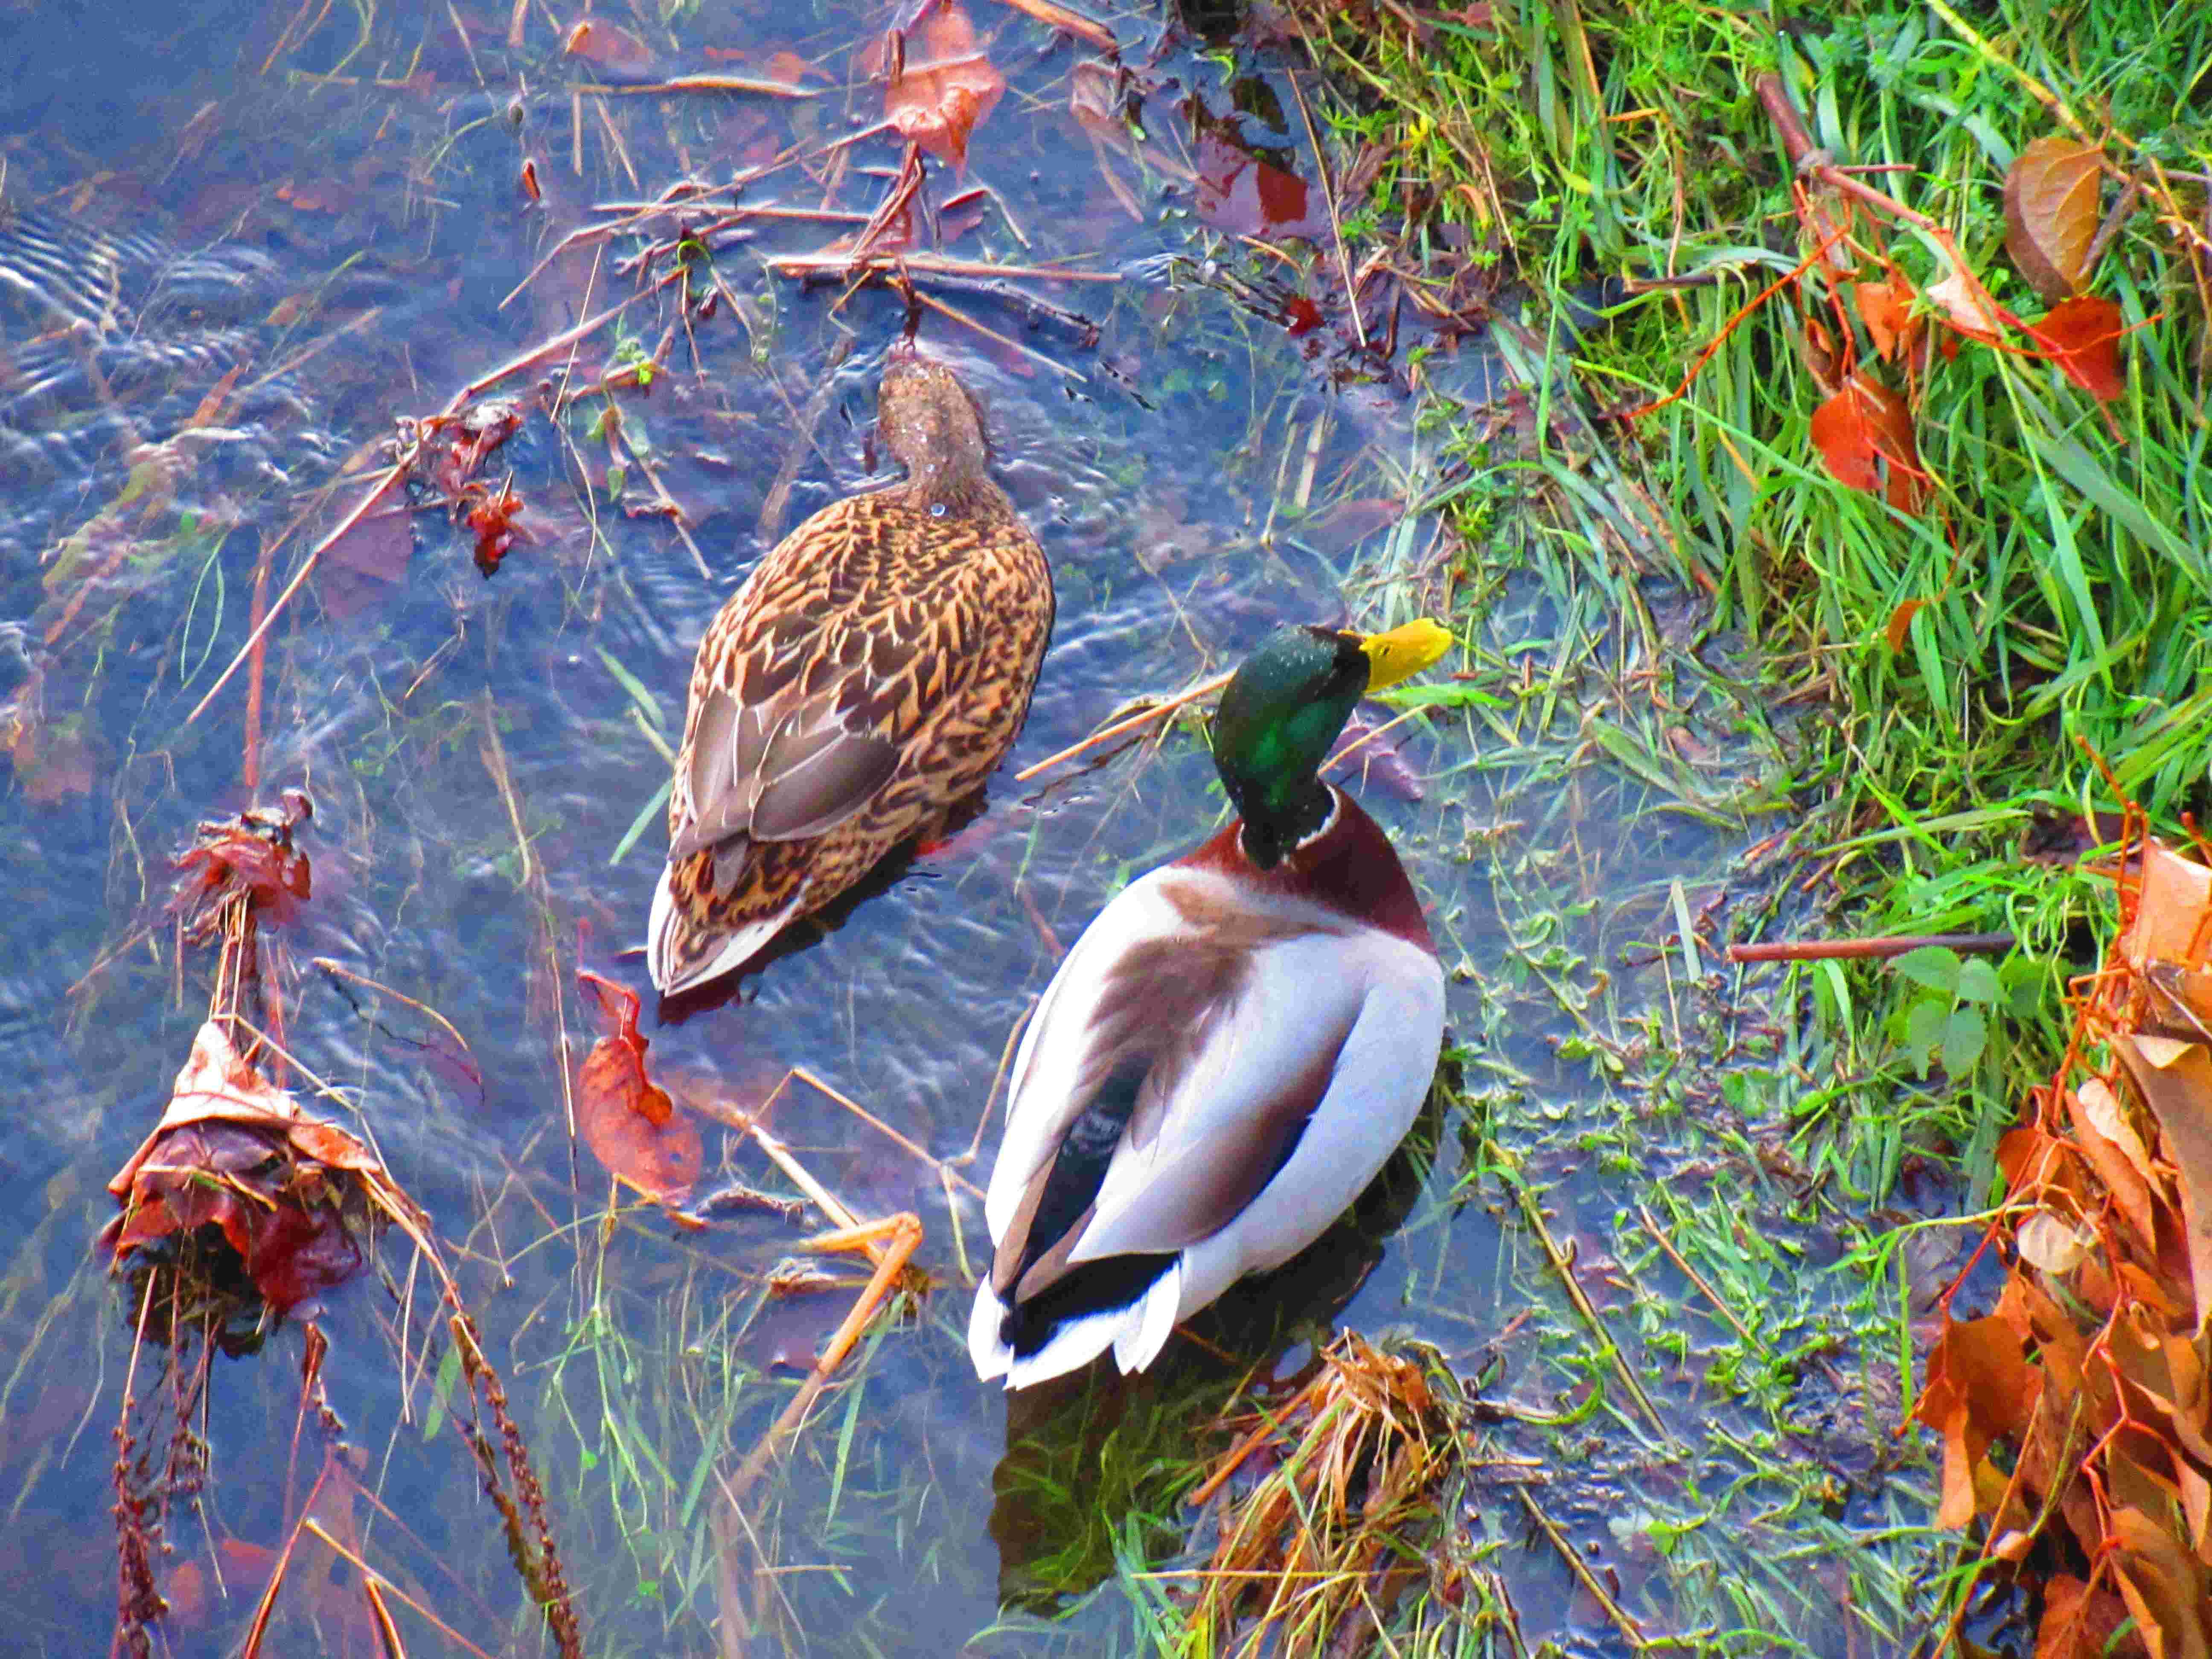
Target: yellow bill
<point>1404,651</point>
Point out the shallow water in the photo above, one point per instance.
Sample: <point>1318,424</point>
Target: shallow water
<point>331,208</point>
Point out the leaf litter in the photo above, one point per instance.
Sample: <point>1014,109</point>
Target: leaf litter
<point>2076,1418</point>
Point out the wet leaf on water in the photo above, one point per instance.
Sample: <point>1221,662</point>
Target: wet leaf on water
<point>234,1152</point>
<point>249,856</point>
<point>2050,195</point>
<point>1864,436</point>
<point>945,86</point>
<point>1242,195</point>
<point>630,1124</point>
<point>607,47</point>
<point>2082,337</point>
<point>491,516</point>
<point>53,760</point>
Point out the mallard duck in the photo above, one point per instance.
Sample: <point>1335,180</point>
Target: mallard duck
<point>864,681</point>
<point>1231,1051</point>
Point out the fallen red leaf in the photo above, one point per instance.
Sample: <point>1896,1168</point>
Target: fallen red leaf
<point>941,100</point>
<point>1980,1387</point>
<point>1240,195</point>
<point>630,1124</point>
<point>2082,337</point>
<point>1864,434</point>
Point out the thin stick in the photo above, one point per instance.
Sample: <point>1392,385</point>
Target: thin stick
<point>877,1124</point>
<point>1129,723</point>
<point>1660,1238</point>
<point>708,83</point>
<point>1060,17</point>
<point>990,333</point>
<point>373,1581</point>
<point>341,971</point>
<point>1581,1569</point>
<point>906,1238</point>
<point>1534,1216</point>
<point>936,264</point>
<point>780,1155</point>
<point>1858,949</point>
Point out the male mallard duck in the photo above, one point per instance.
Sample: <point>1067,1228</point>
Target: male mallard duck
<point>1231,1051</point>
<point>863,681</point>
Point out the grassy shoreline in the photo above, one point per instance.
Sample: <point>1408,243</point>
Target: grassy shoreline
<point>1938,680</point>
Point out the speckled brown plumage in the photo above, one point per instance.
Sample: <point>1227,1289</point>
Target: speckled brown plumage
<point>866,677</point>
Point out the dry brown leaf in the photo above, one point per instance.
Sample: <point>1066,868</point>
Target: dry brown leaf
<point>1980,1387</point>
<point>2053,1245</point>
<point>2050,213</point>
<point>2117,1154</point>
<point>2167,1591</point>
<point>1966,306</point>
<point>1886,308</point>
<point>1900,623</point>
<point>2175,1080</point>
<point>2174,895</point>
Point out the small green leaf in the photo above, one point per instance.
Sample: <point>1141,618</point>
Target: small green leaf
<point>449,1372</point>
<point>616,477</point>
<point>1925,1027</point>
<point>2022,979</point>
<point>1438,696</point>
<point>1935,966</point>
<point>1964,1035</point>
<point>1978,981</point>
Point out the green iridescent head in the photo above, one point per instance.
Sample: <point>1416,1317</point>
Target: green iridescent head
<point>1284,709</point>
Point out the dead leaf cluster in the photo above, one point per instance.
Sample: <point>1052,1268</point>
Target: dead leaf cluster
<point>2076,1419</point>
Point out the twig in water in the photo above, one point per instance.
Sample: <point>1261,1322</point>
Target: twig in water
<point>1129,723</point>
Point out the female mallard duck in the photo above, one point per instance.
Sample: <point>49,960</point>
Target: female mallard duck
<point>863,681</point>
<point>1231,1051</point>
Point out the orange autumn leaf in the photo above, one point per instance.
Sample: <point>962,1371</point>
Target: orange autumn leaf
<point>2082,337</point>
<point>945,86</point>
<point>1864,435</point>
<point>1900,623</point>
<point>2050,195</point>
<point>1886,308</point>
<point>1980,1387</point>
<point>630,1122</point>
